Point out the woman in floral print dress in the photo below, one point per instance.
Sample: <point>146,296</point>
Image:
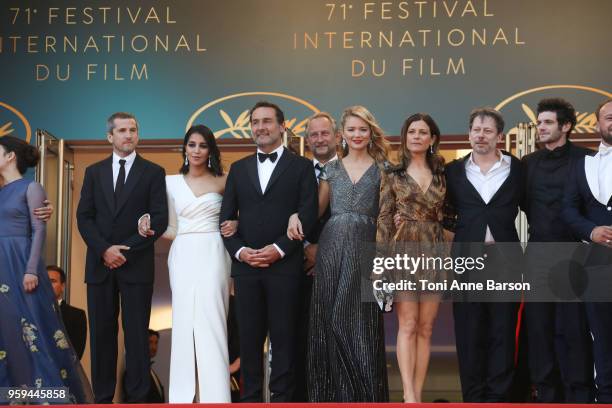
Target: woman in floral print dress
<point>34,349</point>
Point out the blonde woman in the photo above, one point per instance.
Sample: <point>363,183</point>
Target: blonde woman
<point>346,350</point>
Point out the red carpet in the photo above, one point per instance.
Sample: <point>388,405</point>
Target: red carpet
<point>328,405</point>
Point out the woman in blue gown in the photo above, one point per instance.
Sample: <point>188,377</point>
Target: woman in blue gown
<point>34,349</point>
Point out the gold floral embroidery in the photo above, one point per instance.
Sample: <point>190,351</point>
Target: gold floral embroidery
<point>64,373</point>
<point>4,288</point>
<point>28,332</point>
<point>60,340</point>
<point>2,354</point>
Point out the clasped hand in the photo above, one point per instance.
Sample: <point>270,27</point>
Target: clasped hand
<point>602,235</point>
<point>260,258</point>
<point>113,258</point>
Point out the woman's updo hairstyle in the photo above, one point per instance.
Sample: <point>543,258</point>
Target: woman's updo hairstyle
<point>26,154</point>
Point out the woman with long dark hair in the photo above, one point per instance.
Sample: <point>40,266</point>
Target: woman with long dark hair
<point>35,351</point>
<point>199,268</point>
<point>413,194</point>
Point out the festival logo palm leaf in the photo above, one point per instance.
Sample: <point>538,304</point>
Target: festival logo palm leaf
<point>241,129</point>
<point>585,121</point>
<point>6,129</point>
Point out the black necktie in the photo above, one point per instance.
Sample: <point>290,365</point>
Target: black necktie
<point>120,179</point>
<point>263,156</point>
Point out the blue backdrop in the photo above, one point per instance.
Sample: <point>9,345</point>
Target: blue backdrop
<point>174,62</point>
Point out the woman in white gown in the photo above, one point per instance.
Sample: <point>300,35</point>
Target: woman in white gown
<point>199,268</point>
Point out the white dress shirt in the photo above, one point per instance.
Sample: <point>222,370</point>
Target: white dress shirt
<point>604,174</point>
<point>264,172</point>
<point>598,172</point>
<point>265,169</point>
<point>488,183</point>
<point>129,160</point>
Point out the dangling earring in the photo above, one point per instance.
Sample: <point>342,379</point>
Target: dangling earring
<point>344,143</point>
<point>431,149</point>
<point>209,165</point>
<point>370,144</point>
<point>186,161</point>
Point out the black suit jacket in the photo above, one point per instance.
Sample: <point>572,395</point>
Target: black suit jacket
<point>473,214</point>
<point>314,235</point>
<point>582,212</point>
<point>103,223</point>
<point>75,322</point>
<point>530,163</point>
<point>263,215</point>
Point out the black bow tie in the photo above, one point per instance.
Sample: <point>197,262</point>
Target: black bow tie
<point>263,156</point>
<point>318,167</point>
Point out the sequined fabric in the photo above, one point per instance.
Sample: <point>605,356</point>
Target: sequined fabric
<point>346,354</point>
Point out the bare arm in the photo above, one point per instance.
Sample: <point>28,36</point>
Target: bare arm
<point>323,197</point>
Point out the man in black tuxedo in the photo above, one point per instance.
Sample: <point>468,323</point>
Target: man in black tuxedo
<point>588,211</point>
<point>74,318</point>
<point>484,188</point>
<point>262,191</point>
<point>558,336</point>
<point>120,263</point>
<point>322,139</point>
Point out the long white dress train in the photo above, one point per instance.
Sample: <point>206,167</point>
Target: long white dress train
<point>199,269</point>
